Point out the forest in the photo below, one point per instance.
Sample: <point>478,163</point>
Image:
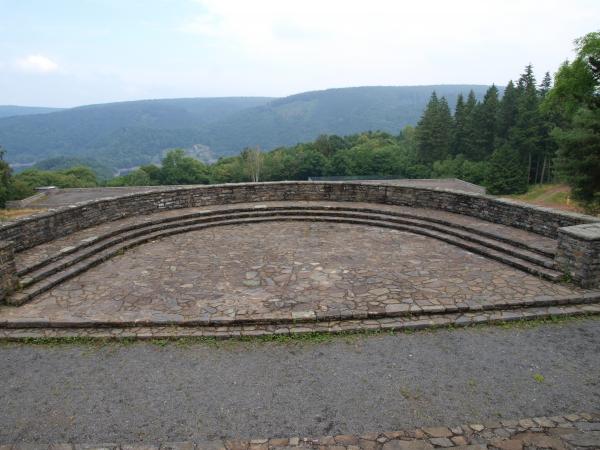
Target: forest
<point>528,133</point>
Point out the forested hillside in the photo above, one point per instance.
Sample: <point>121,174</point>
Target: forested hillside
<point>116,134</point>
<point>127,134</point>
<point>12,110</point>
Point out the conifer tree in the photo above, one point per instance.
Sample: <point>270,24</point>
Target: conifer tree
<point>460,119</point>
<point>579,141</point>
<point>469,149</point>
<point>485,121</point>
<point>434,131</point>
<point>506,174</point>
<point>507,112</point>
<point>526,135</point>
<point>545,85</point>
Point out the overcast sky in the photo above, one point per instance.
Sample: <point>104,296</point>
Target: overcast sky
<point>74,52</point>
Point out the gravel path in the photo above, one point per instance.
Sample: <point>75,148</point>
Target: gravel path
<point>148,392</point>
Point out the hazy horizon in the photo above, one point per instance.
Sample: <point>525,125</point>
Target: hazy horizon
<point>65,53</point>
<point>240,96</point>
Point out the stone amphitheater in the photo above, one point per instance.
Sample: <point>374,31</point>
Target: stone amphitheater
<point>292,257</point>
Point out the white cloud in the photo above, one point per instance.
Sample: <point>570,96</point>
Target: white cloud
<point>323,43</point>
<point>37,63</point>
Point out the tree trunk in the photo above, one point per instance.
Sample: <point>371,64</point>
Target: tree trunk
<point>543,170</point>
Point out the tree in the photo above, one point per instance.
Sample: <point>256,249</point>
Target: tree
<point>434,131</point>
<point>253,162</point>
<point>574,84</point>
<point>507,112</point>
<point>527,133</point>
<point>579,141</point>
<point>459,128</point>
<point>138,177</point>
<point>329,144</point>
<point>485,119</point>
<point>470,145</point>
<point>545,85</point>
<point>177,168</point>
<point>506,174</point>
<point>85,175</point>
<point>5,179</point>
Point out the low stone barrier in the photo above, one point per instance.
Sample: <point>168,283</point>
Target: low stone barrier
<point>578,253</point>
<point>8,270</point>
<point>43,227</point>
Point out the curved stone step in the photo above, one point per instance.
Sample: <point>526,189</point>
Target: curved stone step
<point>311,316</point>
<point>90,257</point>
<point>92,246</point>
<point>471,232</point>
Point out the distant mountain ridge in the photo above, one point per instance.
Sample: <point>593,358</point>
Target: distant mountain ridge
<point>14,110</point>
<point>126,134</point>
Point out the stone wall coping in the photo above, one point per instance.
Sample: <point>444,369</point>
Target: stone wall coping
<point>586,231</point>
<point>183,188</point>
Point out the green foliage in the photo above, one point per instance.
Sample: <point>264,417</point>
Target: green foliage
<point>485,124</point>
<point>63,162</point>
<point>459,167</point>
<point>506,174</point>
<point>507,112</point>
<point>434,131</point>
<point>575,100</point>
<point>177,168</point>
<point>24,184</point>
<point>579,156</point>
<point>5,179</point>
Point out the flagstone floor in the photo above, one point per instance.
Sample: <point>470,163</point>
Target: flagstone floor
<point>284,270</point>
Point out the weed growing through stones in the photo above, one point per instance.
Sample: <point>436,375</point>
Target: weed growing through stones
<point>538,377</point>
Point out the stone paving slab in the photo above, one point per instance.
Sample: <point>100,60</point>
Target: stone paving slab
<point>34,255</point>
<point>292,271</point>
<point>567,432</point>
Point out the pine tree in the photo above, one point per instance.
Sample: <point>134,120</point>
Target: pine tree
<point>507,112</point>
<point>434,131</point>
<point>526,135</point>
<point>469,149</point>
<point>579,141</point>
<point>547,143</point>
<point>485,121</point>
<point>545,85</point>
<point>5,179</point>
<point>506,174</point>
<point>579,157</point>
<point>458,134</point>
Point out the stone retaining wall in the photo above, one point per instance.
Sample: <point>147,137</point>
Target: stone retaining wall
<point>578,254</point>
<point>8,270</point>
<point>31,231</point>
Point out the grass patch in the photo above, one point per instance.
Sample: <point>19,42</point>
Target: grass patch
<point>284,339</point>
<point>552,195</point>
<point>12,214</point>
